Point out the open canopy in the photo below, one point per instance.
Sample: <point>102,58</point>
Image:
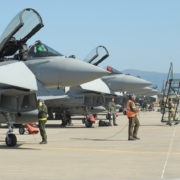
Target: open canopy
<point>97,55</point>
<point>23,26</point>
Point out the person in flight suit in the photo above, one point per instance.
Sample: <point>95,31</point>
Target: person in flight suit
<point>131,112</point>
<point>112,112</point>
<point>42,116</point>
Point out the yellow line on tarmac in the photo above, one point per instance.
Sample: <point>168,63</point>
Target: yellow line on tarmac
<point>94,150</point>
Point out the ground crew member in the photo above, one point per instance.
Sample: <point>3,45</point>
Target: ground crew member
<point>171,112</point>
<point>131,112</point>
<point>144,105</point>
<point>42,116</point>
<point>162,105</point>
<point>112,112</point>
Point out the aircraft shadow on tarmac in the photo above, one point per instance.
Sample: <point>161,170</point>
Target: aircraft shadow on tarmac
<point>153,125</point>
<point>59,126</point>
<point>4,146</point>
<point>52,126</point>
<point>103,139</point>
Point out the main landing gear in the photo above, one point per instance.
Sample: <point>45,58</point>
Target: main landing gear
<point>89,120</point>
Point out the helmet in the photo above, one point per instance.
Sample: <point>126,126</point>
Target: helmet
<point>131,95</point>
<point>41,100</point>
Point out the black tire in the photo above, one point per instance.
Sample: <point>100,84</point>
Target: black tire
<point>83,120</point>
<point>50,116</point>
<point>107,116</point>
<point>21,130</point>
<point>64,122</point>
<point>95,115</point>
<point>88,123</point>
<point>11,140</point>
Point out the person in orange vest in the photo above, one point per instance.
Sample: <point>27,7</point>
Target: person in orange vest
<point>131,112</point>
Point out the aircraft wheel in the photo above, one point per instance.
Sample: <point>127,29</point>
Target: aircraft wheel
<point>83,120</point>
<point>21,130</point>
<point>88,123</point>
<point>64,122</point>
<point>50,116</point>
<point>95,115</point>
<point>11,140</point>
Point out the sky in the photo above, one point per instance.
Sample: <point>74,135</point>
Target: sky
<point>139,34</point>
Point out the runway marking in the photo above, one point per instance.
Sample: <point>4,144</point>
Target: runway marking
<point>168,153</point>
<point>96,150</point>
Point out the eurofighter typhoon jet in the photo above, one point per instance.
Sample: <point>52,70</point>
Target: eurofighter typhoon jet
<point>90,97</point>
<point>23,70</point>
<point>147,91</point>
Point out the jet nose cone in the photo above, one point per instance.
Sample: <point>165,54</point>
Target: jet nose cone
<point>60,71</point>
<point>78,72</point>
<point>137,82</point>
<point>122,82</point>
<point>72,72</point>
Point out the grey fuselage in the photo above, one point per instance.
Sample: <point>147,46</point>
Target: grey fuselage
<point>123,82</point>
<point>59,71</point>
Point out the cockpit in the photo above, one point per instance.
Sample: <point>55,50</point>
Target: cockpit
<point>13,41</point>
<point>113,70</point>
<point>40,49</point>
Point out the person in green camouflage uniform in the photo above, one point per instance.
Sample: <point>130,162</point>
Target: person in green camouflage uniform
<point>42,116</point>
<point>171,112</point>
<point>112,112</point>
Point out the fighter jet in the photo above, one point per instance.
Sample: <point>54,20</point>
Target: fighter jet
<point>147,91</point>
<point>24,70</point>
<point>120,82</point>
<point>93,96</point>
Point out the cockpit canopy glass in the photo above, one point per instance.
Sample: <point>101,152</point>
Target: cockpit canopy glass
<point>40,49</point>
<point>30,20</point>
<point>97,55</point>
<point>23,26</point>
<point>14,24</point>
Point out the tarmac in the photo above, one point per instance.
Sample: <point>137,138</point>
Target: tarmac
<point>105,153</point>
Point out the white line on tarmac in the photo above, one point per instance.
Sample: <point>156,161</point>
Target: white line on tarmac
<point>169,152</point>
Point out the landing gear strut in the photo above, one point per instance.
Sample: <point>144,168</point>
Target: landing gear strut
<point>10,139</point>
<point>66,119</point>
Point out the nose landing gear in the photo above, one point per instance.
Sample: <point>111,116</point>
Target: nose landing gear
<point>10,139</point>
